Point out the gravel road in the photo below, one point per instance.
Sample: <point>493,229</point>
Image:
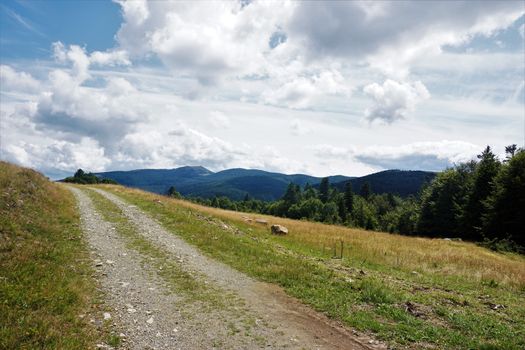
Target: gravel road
<point>150,315</point>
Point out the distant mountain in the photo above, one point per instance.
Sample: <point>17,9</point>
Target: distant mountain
<point>400,182</point>
<point>259,184</point>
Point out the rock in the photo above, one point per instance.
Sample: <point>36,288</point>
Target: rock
<point>107,316</point>
<point>150,320</point>
<point>279,230</point>
<point>261,221</point>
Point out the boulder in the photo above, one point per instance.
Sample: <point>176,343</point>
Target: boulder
<point>279,230</point>
<point>261,221</point>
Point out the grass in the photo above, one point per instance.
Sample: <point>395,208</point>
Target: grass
<point>410,292</point>
<point>45,275</point>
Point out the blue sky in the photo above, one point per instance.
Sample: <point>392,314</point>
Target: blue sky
<point>349,88</point>
<point>30,27</point>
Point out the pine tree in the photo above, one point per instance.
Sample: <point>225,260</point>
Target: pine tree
<point>482,187</point>
<point>349,198</point>
<point>365,190</point>
<point>506,205</point>
<point>324,190</point>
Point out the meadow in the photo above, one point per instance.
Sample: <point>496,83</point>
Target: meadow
<point>409,292</point>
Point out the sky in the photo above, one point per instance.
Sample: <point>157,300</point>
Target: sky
<point>320,88</point>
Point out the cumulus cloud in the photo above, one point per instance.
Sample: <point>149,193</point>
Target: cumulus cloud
<point>304,92</point>
<point>11,80</point>
<point>391,34</point>
<point>68,106</point>
<point>203,40</point>
<point>57,158</point>
<point>394,100</point>
<point>431,156</point>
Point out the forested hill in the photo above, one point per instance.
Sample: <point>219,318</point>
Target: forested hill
<point>400,182</point>
<point>258,184</point>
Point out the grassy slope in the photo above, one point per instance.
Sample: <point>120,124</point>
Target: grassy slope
<point>411,292</point>
<point>45,281</point>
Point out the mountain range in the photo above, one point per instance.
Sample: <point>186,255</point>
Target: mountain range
<point>236,183</point>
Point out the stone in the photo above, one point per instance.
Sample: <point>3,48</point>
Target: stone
<point>261,221</point>
<point>279,230</point>
<point>107,316</point>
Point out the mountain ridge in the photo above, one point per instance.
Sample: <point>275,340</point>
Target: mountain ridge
<point>236,183</point>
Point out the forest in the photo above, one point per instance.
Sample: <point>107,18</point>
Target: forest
<point>482,200</point>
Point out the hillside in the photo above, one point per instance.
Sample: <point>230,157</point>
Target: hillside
<point>45,274</point>
<point>400,182</point>
<point>201,182</point>
<point>406,291</point>
<point>258,184</point>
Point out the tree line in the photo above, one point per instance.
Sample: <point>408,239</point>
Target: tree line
<point>83,178</point>
<point>482,200</point>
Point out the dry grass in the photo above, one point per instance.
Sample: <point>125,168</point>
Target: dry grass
<point>436,256</point>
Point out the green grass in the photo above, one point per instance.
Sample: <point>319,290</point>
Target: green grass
<point>45,274</point>
<point>448,310</point>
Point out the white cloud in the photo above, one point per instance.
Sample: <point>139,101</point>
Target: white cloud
<point>219,120</point>
<point>205,40</point>
<point>332,152</point>
<point>298,128</point>
<point>57,158</point>
<point>81,60</point>
<point>391,35</point>
<point>305,92</point>
<point>432,156</point>
<point>11,80</point>
<point>394,100</point>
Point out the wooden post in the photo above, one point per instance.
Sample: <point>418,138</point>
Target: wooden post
<point>342,247</point>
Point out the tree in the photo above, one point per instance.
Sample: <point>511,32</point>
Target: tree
<point>365,190</point>
<point>324,189</point>
<point>482,186</point>
<point>292,195</point>
<point>309,191</point>
<point>442,202</point>
<point>329,213</point>
<point>510,150</point>
<point>79,173</point>
<point>341,206</point>
<point>505,206</point>
<point>349,197</point>
<point>172,192</point>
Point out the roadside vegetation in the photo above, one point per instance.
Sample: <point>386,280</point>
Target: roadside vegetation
<point>46,290</point>
<point>410,292</point>
<point>481,201</point>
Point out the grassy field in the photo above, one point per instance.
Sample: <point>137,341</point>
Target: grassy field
<point>45,282</point>
<point>410,292</point>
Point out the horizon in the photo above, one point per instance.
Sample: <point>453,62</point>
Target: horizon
<point>259,85</point>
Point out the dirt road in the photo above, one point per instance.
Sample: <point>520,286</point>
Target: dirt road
<point>150,314</point>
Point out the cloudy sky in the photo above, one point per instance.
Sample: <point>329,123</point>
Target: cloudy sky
<point>320,88</point>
